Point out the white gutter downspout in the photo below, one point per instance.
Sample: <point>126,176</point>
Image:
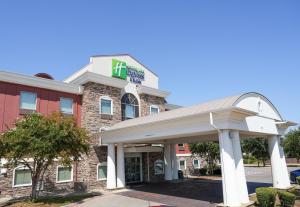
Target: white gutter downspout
<point>211,119</point>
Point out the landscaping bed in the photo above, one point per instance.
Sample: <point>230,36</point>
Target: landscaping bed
<point>295,191</point>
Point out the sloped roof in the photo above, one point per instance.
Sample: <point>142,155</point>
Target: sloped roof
<point>207,107</point>
<point>215,105</point>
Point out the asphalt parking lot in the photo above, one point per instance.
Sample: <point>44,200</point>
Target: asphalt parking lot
<point>261,174</point>
<point>182,193</point>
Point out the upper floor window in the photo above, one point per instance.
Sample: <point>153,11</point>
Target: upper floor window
<point>66,105</point>
<point>154,109</point>
<point>28,100</point>
<point>130,106</point>
<point>181,147</point>
<point>106,105</point>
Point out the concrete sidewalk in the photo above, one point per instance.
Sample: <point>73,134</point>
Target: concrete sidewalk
<point>110,199</point>
<point>4,200</point>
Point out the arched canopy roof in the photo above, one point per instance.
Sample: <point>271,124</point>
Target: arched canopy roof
<point>247,102</point>
<point>251,113</point>
<point>259,103</point>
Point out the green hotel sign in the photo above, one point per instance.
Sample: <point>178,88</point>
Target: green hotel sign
<point>119,69</point>
<point>123,71</point>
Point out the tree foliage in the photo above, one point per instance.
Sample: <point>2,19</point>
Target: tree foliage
<point>36,141</point>
<point>256,147</point>
<point>209,151</point>
<point>292,144</point>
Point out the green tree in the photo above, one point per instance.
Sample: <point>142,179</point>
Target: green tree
<point>291,144</point>
<point>209,151</point>
<point>36,141</point>
<point>258,148</point>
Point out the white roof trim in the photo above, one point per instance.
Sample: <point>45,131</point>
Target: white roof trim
<point>40,82</point>
<point>152,91</point>
<point>74,76</point>
<point>97,78</point>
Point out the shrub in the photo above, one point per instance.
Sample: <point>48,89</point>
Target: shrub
<point>286,199</point>
<point>203,171</point>
<point>298,180</point>
<point>218,171</point>
<point>266,197</point>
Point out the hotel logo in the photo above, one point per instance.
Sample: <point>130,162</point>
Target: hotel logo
<point>119,69</point>
<point>126,72</point>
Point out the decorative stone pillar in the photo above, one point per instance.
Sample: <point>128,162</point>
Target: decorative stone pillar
<point>111,167</point>
<point>279,169</point>
<point>174,162</point>
<point>168,162</point>
<point>239,167</point>
<point>120,166</point>
<point>231,195</point>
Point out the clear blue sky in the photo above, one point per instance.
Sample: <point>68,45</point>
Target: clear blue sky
<point>201,50</point>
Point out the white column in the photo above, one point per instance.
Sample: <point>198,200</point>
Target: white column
<point>279,169</point>
<point>231,195</point>
<point>239,167</point>
<point>120,166</point>
<point>284,166</point>
<point>168,162</point>
<point>174,162</point>
<point>111,167</point>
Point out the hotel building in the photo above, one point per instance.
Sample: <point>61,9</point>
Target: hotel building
<point>135,135</point>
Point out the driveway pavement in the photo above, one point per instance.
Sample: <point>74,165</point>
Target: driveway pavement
<point>113,199</point>
<point>183,193</point>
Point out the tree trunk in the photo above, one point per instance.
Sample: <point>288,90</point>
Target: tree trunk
<point>34,189</point>
<point>264,163</point>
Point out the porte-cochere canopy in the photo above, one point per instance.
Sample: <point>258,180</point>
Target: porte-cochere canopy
<point>252,114</point>
<point>226,120</point>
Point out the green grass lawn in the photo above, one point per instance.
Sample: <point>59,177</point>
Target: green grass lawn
<point>51,201</point>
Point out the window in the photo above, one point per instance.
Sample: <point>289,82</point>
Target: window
<point>130,107</point>
<point>28,100</point>
<point>66,105</point>
<point>102,171</point>
<point>154,109</point>
<point>182,165</point>
<point>22,177</point>
<point>181,147</point>
<point>196,163</point>
<point>106,106</point>
<point>64,174</point>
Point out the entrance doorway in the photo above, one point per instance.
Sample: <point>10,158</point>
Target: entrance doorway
<point>133,168</point>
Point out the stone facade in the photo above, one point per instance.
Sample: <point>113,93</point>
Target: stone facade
<point>190,170</point>
<point>85,171</point>
<point>148,100</point>
<point>92,120</point>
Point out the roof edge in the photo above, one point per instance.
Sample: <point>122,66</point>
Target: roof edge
<point>258,94</point>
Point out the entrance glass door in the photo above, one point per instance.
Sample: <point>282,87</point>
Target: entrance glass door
<point>132,169</point>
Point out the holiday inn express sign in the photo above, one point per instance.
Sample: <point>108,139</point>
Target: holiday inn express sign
<point>123,71</point>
